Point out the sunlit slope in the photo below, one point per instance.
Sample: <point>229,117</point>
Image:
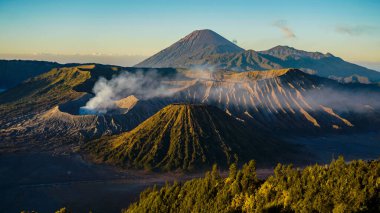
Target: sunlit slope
<point>40,94</point>
<point>183,136</point>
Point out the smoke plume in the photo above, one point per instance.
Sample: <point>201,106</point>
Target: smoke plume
<point>143,85</point>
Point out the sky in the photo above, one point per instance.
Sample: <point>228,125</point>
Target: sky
<point>125,32</point>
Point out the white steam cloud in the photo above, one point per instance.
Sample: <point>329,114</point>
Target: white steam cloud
<point>142,85</point>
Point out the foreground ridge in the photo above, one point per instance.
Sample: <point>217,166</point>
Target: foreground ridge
<point>338,187</point>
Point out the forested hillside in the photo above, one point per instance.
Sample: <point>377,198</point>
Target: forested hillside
<point>338,187</point>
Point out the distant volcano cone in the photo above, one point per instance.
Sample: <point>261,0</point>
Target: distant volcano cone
<point>196,45</point>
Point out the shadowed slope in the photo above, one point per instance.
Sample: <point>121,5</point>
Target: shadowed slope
<point>13,72</point>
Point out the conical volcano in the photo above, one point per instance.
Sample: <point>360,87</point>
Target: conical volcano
<point>194,46</point>
<point>185,137</point>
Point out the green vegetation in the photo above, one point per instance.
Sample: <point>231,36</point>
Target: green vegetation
<point>338,187</point>
<point>187,137</point>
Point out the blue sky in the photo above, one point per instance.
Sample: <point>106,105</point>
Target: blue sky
<point>105,30</point>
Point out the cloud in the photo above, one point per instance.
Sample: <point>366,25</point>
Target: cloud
<point>282,25</point>
<point>355,30</point>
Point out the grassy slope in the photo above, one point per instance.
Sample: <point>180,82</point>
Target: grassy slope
<point>186,137</point>
<point>40,93</point>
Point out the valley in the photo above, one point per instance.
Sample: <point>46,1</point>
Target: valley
<point>51,181</point>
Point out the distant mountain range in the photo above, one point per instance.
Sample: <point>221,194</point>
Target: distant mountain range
<point>208,49</point>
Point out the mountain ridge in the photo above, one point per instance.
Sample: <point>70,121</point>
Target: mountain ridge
<point>283,51</point>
